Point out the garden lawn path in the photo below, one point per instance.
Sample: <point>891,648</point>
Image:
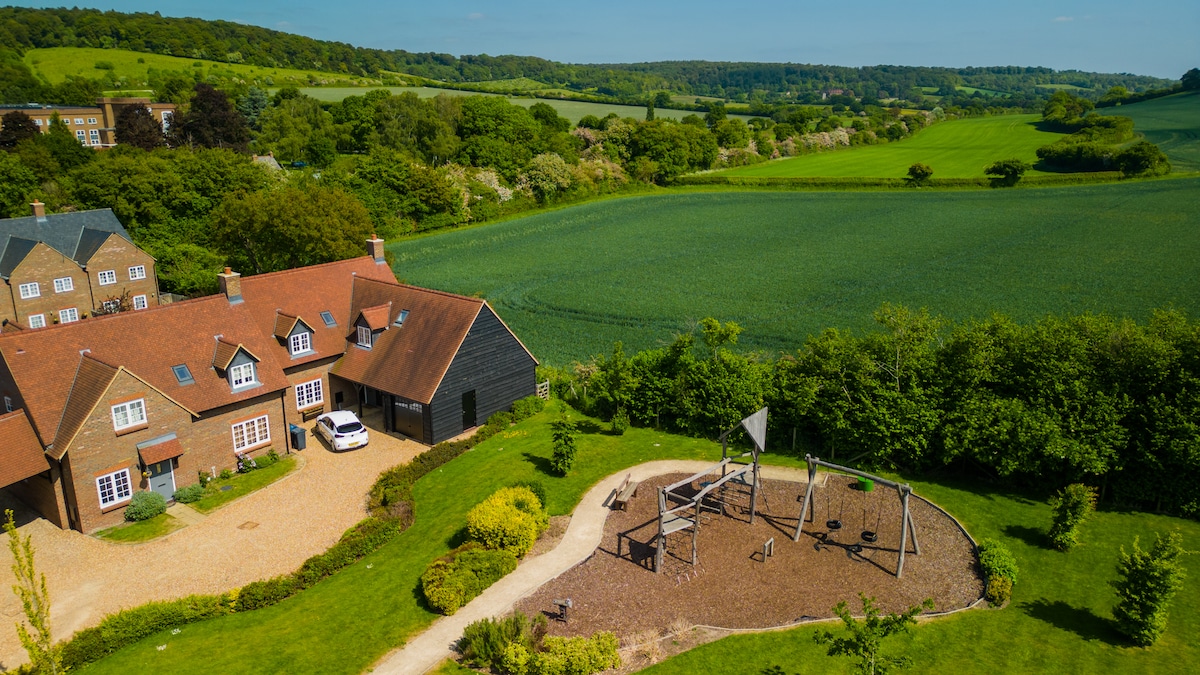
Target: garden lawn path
<point>264,534</point>
<point>425,651</point>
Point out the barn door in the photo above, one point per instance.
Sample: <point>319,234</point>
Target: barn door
<point>468,403</point>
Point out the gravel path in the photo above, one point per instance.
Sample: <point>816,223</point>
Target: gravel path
<point>269,532</point>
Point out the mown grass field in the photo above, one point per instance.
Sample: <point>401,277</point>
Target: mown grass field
<point>954,149</point>
<point>572,110</point>
<point>1172,123</point>
<point>786,265</point>
<point>1058,619</point>
<point>56,63</point>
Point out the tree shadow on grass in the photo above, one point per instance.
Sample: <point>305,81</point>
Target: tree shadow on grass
<point>542,464</point>
<point>459,538</point>
<point>1030,535</point>
<point>1082,622</point>
<point>588,427</point>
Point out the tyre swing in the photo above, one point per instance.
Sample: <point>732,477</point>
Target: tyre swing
<point>872,536</point>
<point>834,524</point>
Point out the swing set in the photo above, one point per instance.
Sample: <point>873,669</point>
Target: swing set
<point>834,525</point>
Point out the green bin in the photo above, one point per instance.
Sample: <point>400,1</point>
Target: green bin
<point>866,484</point>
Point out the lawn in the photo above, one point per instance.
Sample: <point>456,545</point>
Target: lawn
<point>1172,123</point>
<point>786,265</point>
<point>954,149</point>
<point>346,622</point>
<point>221,491</point>
<point>145,530</point>
<point>56,63</point>
<point>342,625</point>
<point>1059,618</point>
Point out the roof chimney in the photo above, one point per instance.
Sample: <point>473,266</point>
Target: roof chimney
<point>39,211</point>
<point>375,249</point>
<point>231,285</point>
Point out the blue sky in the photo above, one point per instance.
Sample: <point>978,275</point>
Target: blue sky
<point>1153,37</point>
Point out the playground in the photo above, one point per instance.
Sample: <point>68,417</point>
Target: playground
<point>731,573</point>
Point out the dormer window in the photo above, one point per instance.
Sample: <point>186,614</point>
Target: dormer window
<point>242,375</point>
<point>364,337</point>
<point>300,342</point>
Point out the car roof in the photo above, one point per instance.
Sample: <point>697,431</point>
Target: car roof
<point>340,416</point>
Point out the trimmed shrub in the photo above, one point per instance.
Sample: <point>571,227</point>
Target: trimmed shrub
<point>527,407</point>
<point>448,584</point>
<point>1071,507</point>
<point>189,494</point>
<point>576,655</point>
<point>563,458</point>
<point>145,505</point>
<point>515,659</point>
<point>620,422</point>
<point>1000,570</point>
<point>511,519</point>
<point>259,594</point>
<point>1148,581</point>
<point>124,628</point>
<point>999,590</point>
<point>534,486</point>
<point>485,642</point>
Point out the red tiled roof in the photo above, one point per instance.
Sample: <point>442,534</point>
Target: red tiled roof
<point>21,454</point>
<point>92,379</point>
<point>306,292</point>
<point>409,360</point>
<point>147,343</point>
<point>284,323</point>
<point>377,317</point>
<point>169,449</point>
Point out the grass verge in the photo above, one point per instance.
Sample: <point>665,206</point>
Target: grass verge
<point>132,533</point>
<point>242,484</point>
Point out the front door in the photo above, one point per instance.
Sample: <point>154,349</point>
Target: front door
<point>468,409</point>
<point>162,478</point>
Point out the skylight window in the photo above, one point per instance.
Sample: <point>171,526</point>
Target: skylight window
<point>401,317</point>
<point>328,319</point>
<point>182,374</point>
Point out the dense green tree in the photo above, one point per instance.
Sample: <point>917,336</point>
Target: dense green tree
<point>732,133</point>
<point>1190,80</point>
<point>187,269</point>
<point>919,173</point>
<point>548,175</point>
<point>16,126</point>
<point>563,456</point>
<point>17,185</point>
<point>136,126</point>
<point>298,129</point>
<point>1142,159</point>
<point>1071,507</point>
<point>1148,582</point>
<point>715,114</point>
<point>1007,171</point>
<point>548,117</point>
<point>68,153</point>
<point>251,104</point>
<point>402,196</point>
<point>210,121</point>
<point>289,227</point>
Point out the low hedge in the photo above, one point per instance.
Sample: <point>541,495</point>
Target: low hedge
<point>145,505</point>
<point>999,569</point>
<point>510,518</point>
<point>130,625</point>
<point>189,494</point>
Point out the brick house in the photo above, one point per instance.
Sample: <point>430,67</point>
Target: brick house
<point>63,267</point>
<point>94,126</point>
<point>99,409</point>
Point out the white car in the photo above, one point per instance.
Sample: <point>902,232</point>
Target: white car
<point>342,429</point>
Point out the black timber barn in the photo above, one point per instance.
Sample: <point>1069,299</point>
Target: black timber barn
<point>437,363</point>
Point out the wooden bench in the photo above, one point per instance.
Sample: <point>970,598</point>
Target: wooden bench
<point>627,491</point>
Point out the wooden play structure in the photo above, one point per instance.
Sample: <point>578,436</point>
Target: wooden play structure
<point>867,537</point>
<point>713,494</point>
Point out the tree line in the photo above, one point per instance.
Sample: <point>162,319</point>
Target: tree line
<point>25,28</point>
<point>1089,398</point>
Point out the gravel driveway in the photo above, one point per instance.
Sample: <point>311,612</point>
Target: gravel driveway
<point>261,535</point>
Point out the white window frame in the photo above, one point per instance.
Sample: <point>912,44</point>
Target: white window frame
<point>118,485</point>
<point>107,277</point>
<point>310,394</point>
<point>137,272</point>
<point>364,336</point>
<point>251,433</point>
<point>38,122</point>
<point>78,120</point>
<point>37,320</point>
<point>81,136</point>
<point>91,120</point>
<point>129,414</point>
<point>139,302</point>
<point>68,315</point>
<point>64,285</point>
<point>94,134</point>
<point>31,290</point>
<point>242,375</point>
<point>8,404</point>
<point>300,343</point>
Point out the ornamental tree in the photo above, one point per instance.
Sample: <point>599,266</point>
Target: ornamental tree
<point>866,636</point>
<point>919,173</point>
<point>1148,581</point>
<point>1071,507</point>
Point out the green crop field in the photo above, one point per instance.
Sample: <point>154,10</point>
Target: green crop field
<point>55,64</point>
<point>572,110</point>
<point>785,265</point>
<point>954,149</point>
<point>1172,123</point>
